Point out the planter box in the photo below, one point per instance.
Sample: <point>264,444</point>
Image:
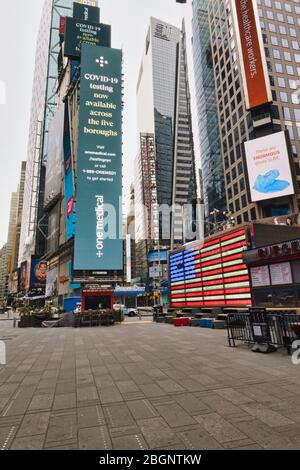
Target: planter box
<point>207,322</point>
<point>185,321</point>
<point>177,322</point>
<point>220,324</point>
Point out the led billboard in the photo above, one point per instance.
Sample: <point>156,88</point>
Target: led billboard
<point>54,156</point>
<point>38,273</point>
<point>81,31</point>
<point>213,274</point>
<point>68,177</point>
<point>251,53</point>
<point>98,240</point>
<point>86,12</point>
<point>269,169</point>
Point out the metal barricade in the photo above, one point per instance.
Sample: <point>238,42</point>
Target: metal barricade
<point>238,328</point>
<point>261,327</point>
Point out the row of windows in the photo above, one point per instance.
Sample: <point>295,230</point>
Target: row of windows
<point>278,5</point>
<point>278,16</point>
<point>291,114</point>
<point>279,68</point>
<point>282,29</point>
<point>284,97</point>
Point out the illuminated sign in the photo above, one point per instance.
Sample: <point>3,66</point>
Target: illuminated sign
<point>260,276</point>
<point>81,31</point>
<point>86,12</point>
<point>38,273</point>
<point>55,156</point>
<point>281,273</point>
<point>280,250</point>
<point>98,240</point>
<point>68,177</point>
<point>212,274</point>
<point>269,169</point>
<point>252,56</point>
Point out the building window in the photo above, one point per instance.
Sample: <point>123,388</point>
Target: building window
<point>275,112</point>
<point>281,82</point>
<point>288,8</point>
<point>270,15</point>
<point>274,40</point>
<point>287,56</point>
<point>280,17</point>
<point>290,19</point>
<point>253,213</point>
<point>284,42</point>
<point>291,132</point>
<point>278,5</point>
<point>295,98</point>
<point>278,68</point>
<point>274,96</point>
<point>272,27</point>
<point>286,114</point>
<point>276,54</point>
<point>282,29</point>
<point>297,114</point>
<point>297,58</point>
<point>293,84</point>
<point>294,151</point>
<point>283,96</point>
<point>246,217</point>
<point>293,32</point>
<point>290,69</point>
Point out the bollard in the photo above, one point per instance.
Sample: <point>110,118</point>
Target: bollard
<point>15,322</point>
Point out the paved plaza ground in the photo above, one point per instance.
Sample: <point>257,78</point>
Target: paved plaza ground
<point>144,386</point>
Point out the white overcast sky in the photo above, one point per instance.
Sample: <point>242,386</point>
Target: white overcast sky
<point>19,21</point>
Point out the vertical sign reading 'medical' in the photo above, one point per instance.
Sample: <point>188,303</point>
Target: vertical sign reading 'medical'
<point>98,243</point>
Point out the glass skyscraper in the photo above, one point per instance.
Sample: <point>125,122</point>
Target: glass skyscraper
<point>211,160</point>
<point>165,170</point>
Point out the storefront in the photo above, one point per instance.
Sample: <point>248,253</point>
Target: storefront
<point>275,274</point>
<point>131,296</point>
<point>97,299</point>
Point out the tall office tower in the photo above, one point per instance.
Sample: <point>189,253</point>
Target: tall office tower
<point>11,226</point>
<point>32,240</point>
<point>256,59</point>
<point>165,170</point>
<point>3,271</point>
<point>211,160</point>
<point>13,262</point>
